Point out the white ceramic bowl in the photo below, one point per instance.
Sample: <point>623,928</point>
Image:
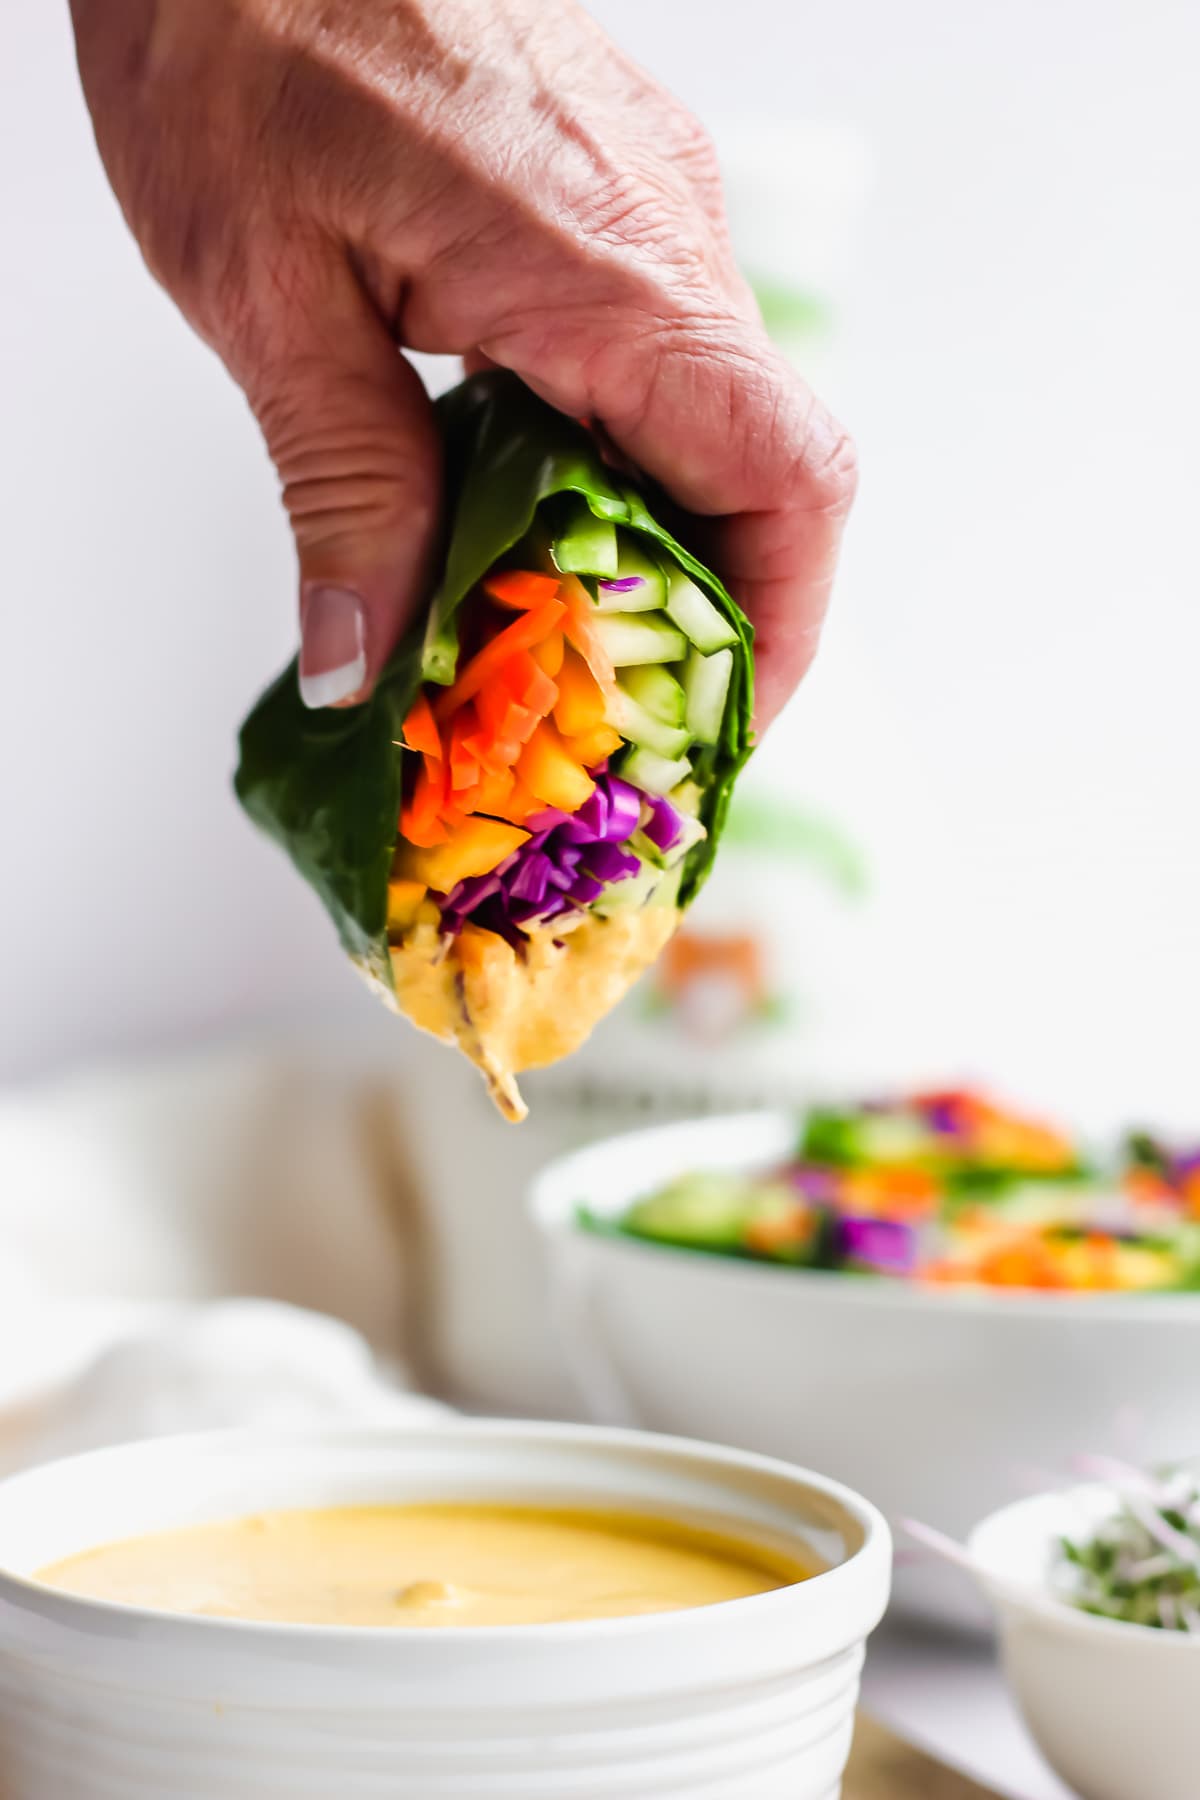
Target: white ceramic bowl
<point>937,1404</point>
<point>1114,1708</point>
<point>750,1698</point>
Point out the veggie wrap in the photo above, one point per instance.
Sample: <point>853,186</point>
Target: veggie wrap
<point>507,832</point>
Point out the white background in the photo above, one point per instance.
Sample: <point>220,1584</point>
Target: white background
<point>1022,374</point>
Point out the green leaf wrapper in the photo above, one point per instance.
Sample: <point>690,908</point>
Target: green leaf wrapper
<point>326,785</point>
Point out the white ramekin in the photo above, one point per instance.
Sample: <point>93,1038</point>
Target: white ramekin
<point>934,1402</point>
<point>1112,1707</point>
<point>749,1700</point>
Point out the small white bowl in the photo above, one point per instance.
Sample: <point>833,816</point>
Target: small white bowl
<point>747,1700</point>
<point>1114,1708</point>
<point>932,1402</point>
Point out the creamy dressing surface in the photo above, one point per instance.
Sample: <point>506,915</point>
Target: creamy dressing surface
<point>427,1565</point>
<point>509,1012</point>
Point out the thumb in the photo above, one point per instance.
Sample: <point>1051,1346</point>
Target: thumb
<point>351,431</point>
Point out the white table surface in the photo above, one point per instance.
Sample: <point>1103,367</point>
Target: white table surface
<point>947,1696</point>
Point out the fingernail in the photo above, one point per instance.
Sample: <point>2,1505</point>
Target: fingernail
<point>333,646</point>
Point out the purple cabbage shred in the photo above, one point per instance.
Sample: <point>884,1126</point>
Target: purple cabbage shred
<point>566,863</point>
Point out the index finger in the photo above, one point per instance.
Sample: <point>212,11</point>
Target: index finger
<point>713,412</point>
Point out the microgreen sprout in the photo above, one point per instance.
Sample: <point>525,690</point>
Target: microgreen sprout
<point>1141,1564</point>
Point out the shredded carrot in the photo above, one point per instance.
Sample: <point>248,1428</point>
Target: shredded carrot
<point>490,794</point>
<point>420,730</point>
<point>520,805</point>
<point>581,631</point>
<point>495,754</point>
<point>520,588</point>
<point>464,763</point>
<point>522,634</point>
<point>529,683</point>
<point>421,820</point>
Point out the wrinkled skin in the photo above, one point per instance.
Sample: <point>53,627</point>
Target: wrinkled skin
<point>318,181</point>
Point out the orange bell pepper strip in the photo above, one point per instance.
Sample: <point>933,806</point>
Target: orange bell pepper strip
<point>548,770</point>
<point>522,634</point>
<point>549,654</point>
<point>520,589</point>
<point>580,706</point>
<point>593,746</point>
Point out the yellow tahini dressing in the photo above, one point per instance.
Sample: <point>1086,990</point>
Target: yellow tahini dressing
<point>509,1012</point>
<point>428,1565</point>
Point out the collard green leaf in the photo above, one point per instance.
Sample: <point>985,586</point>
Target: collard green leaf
<point>326,785</point>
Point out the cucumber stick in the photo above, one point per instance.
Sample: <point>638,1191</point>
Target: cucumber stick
<point>652,773</point>
<point>696,616</point>
<point>706,687</point>
<point>639,726</point>
<point>656,689</point>
<point>585,545</point>
<point>633,563</point>
<point>639,638</point>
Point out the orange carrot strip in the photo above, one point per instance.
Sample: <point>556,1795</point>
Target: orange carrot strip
<point>496,754</point>
<point>520,588</point>
<point>581,631</point>
<point>420,820</point>
<point>490,794</point>
<point>420,731</point>
<point>529,629</point>
<point>527,682</point>
<point>425,833</point>
<point>464,766</point>
<point>519,806</point>
<point>541,694</point>
<point>500,709</point>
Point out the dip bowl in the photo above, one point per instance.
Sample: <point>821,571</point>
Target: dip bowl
<point>750,1699</point>
<point>1113,1707</point>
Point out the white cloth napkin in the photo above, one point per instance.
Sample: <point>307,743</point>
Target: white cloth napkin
<point>81,1374</point>
<point>134,1203</point>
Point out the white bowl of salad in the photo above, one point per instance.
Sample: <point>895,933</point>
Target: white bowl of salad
<point>926,1307</point>
<point>1097,1593</point>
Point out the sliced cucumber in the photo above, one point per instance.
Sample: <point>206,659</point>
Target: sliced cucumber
<point>652,887</point>
<point>706,684</point>
<point>652,773</point>
<point>656,689</point>
<point>640,638</point>
<point>693,833</point>
<point>633,563</point>
<point>585,545</point>
<point>639,726</point>
<point>696,616</point>
<point>687,799</point>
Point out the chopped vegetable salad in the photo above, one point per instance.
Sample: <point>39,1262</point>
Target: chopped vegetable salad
<point>947,1189</point>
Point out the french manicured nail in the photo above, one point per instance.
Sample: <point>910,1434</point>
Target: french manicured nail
<point>333,646</point>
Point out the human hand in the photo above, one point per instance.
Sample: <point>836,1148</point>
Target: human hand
<point>316,182</point>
